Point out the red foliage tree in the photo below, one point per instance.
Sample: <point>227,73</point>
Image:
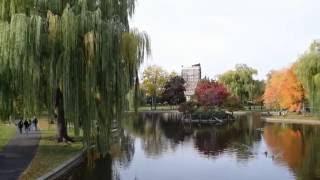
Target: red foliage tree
<point>211,93</point>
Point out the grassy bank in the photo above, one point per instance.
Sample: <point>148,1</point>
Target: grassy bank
<point>7,132</point>
<point>297,116</point>
<point>159,108</point>
<point>50,154</point>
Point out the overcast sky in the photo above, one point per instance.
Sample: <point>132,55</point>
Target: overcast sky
<point>264,34</point>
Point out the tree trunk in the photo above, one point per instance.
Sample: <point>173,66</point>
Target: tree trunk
<point>151,103</point>
<point>59,114</point>
<point>154,103</point>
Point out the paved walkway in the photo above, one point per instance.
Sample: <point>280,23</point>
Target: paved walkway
<point>17,155</point>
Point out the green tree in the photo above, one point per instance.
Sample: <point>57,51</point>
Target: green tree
<point>308,72</point>
<point>172,74</point>
<point>80,53</point>
<point>241,83</point>
<point>187,108</point>
<point>258,92</point>
<point>232,103</point>
<point>154,79</point>
<point>174,91</point>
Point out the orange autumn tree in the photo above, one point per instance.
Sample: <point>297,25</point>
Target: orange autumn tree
<point>284,90</point>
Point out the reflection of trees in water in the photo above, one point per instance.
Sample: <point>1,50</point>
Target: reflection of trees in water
<point>123,151</point>
<point>175,133</point>
<point>159,135</point>
<point>210,142</point>
<point>237,138</point>
<point>101,170</point>
<point>98,167</point>
<point>245,144</point>
<point>153,141</point>
<point>150,133</point>
<point>310,168</point>
<point>286,144</point>
<point>297,146</point>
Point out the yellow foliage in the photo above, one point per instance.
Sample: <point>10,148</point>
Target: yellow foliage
<point>89,43</point>
<point>53,26</point>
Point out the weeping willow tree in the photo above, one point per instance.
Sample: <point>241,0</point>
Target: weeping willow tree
<point>77,58</point>
<point>308,71</point>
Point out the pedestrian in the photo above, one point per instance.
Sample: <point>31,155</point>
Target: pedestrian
<point>20,125</point>
<point>29,122</point>
<point>26,126</point>
<point>35,123</point>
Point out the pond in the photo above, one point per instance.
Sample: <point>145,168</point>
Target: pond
<point>155,149</point>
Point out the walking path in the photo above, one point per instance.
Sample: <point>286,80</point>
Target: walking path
<point>17,155</point>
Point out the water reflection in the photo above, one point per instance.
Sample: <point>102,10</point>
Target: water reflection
<point>159,136</point>
<point>285,144</point>
<point>297,146</point>
<point>101,169</point>
<point>151,147</point>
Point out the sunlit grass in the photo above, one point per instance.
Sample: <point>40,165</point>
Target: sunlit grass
<point>6,133</point>
<point>50,154</point>
<point>298,116</point>
<point>159,108</point>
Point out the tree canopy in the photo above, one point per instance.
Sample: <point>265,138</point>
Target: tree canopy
<point>154,79</point>
<point>83,48</point>
<point>232,103</point>
<point>284,90</point>
<point>174,91</point>
<point>241,83</point>
<point>211,93</point>
<point>308,72</point>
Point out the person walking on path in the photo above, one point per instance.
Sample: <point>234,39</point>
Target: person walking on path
<point>29,127</point>
<point>20,126</point>
<point>35,123</point>
<point>26,126</point>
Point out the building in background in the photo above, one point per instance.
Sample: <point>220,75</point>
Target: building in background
<point>192,76</point>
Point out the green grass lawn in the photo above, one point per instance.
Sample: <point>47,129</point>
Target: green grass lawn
<point>50,154</point>
<point>7,132</point>
<point>159,108</point>
<point>298,116</point>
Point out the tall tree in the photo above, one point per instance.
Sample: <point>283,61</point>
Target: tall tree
<point>308,72</point>
<point>174,91</point>
<point>154,79</point>
<point>241,83</point>
<point>284,90</point>
<point>81,53</point>
<point>211,93</point>
<point>232,103</point>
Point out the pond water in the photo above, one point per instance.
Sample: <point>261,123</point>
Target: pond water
<point>154,149</point>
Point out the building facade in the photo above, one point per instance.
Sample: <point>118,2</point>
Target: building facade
<point>192,75</point>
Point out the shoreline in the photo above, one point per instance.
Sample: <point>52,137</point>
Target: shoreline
<point>292,121</point>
